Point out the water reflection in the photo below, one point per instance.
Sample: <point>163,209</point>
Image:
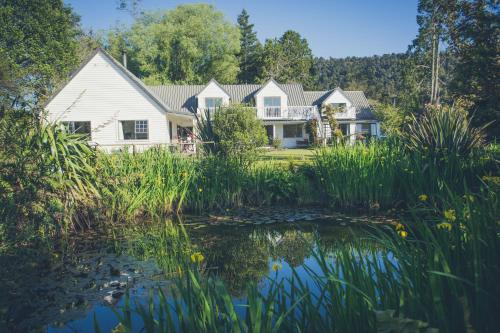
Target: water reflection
<point>61,288</point>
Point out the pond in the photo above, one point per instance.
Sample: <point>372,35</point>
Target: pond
<point>61,289</point>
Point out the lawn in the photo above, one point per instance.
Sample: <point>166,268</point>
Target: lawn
<point>298,155</point>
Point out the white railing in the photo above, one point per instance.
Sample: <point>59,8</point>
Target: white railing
<point>292,112</point>
<point>348,113</point>
<point>306,112</point>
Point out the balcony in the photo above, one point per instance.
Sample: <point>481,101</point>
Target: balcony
<point>288,113</point>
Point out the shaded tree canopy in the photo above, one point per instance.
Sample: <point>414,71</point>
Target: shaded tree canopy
<point>38,43</point>
<point>190,44</point>
<point>378,76</point>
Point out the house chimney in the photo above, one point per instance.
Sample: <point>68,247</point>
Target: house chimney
<point>124,59</point>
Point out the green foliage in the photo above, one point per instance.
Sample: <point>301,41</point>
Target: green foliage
<point>287,59</point>
<point>312,131</point>
<point>329,111</point>
<point>45,174</point>
<point>393,119</point>
<point>443,131</point>
<point>238,132</point>
<point>38,41</point>
<point>250,56</point>
<point>380,77</point>
<point>189,44</point>
<point>474,43</point>
<point>155,182</point>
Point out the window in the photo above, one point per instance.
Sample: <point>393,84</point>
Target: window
<point>184,133</point>
<point>292,131</point>
<point>345,129</point>
<point>366,129</point>
<point>272,107</point>
<point>135,129</point>
<point>213,102</point>
<point>78,127</point>
<point>340,106</point>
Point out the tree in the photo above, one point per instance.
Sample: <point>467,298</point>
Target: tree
<point>470,32</point>
<point>250,50</point>
<point>38,39</point>
<point>380,77</point>
<point>432,33</point>
<point>474,43</point>
<point>187,45</point>
<point>288,59</point>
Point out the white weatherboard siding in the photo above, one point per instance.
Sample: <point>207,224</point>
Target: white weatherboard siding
<point>104,95</point>
<point>271,89</point>
<point>212,90</point>
<point>339,97</point>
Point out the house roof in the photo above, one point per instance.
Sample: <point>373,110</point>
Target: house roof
<point>129,74</point>
<point>356,97</point>
<point>183,97</point>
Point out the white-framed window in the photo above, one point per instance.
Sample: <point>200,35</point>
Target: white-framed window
<point>272,106</point>
<point>78,127</point>
<point>213,102</point>
<point>135,129</point>
<point>366,129</point>
<point>292,131</point>
<point>344,128</point>
<point>339,105</point>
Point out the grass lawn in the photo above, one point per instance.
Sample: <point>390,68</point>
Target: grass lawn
<point>297,155</point>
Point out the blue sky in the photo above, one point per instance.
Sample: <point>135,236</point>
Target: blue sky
<point>336,28</point>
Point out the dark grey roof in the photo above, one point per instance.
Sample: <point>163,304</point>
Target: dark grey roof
<point>179,97</point>
<point>316,97</point>
<point>183,97</point>
<point>357,98</point>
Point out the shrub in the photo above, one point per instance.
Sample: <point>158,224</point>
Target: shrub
<point>277,144</point>
<point>443,131</point>
<point>236,132</point>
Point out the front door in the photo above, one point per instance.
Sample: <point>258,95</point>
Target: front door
<point>270,133</point>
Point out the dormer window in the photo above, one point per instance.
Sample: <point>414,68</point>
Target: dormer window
<point>212,103</point>
<point>342,106</point>
<point>272,107</point>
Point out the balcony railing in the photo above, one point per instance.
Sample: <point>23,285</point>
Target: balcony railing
<point>278,113</point>
<point>292,112</point>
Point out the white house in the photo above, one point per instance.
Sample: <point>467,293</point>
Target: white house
<point>107,102</point>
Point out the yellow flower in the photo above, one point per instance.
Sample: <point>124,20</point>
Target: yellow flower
<point>200,190</point>
<point>184,174</point>
<point>423,197</point>
<point>444,225</point>
<point>403,233</point>
<point>277,266</point>
<point>450,215</point>
<point>399,226</point>
<point>197,257</point>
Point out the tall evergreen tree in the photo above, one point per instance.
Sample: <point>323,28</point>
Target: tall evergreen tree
<point>474,43</point>
<point>288,59</point>
<point>251,50</point>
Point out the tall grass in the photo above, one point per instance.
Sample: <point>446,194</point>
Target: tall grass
<point>386,175</point>
<point>153,183</point>
<point>157,182</point>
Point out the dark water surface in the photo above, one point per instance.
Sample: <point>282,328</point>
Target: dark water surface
<point>60,290</point>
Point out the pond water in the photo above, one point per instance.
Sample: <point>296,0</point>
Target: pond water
<point>62,289</point>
